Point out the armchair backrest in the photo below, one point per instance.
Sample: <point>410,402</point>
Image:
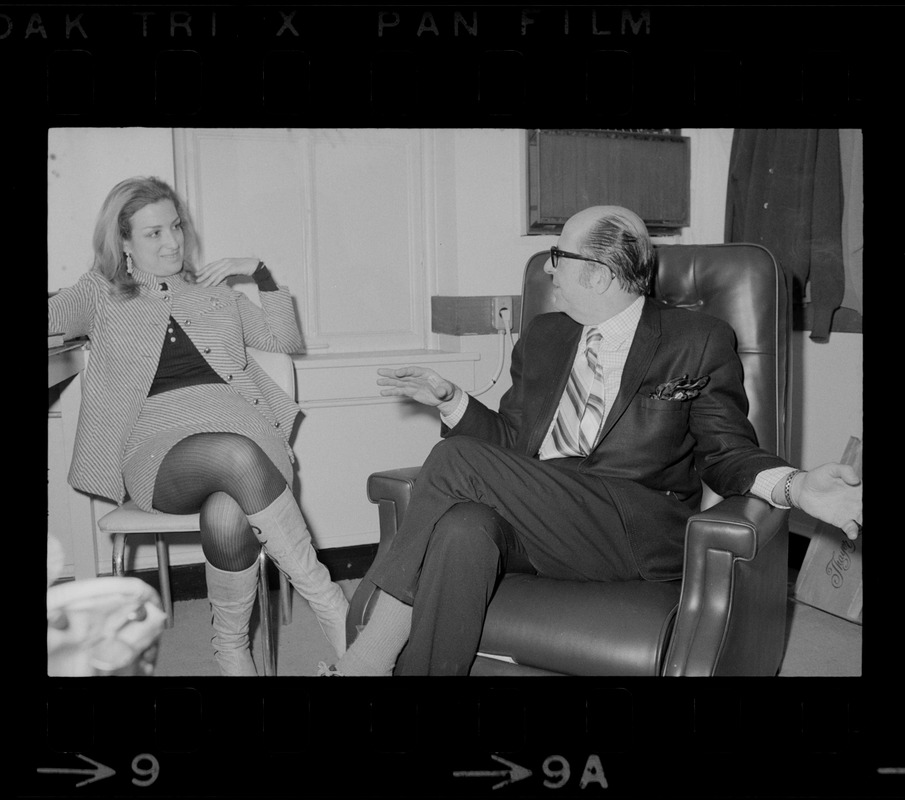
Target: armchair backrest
<point>739,283</point>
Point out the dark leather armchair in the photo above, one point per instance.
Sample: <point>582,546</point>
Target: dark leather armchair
<point>727,615</point>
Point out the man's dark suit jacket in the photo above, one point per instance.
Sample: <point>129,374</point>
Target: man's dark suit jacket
<point>653,454</point>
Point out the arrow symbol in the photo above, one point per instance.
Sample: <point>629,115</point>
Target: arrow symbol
<point>515,772</point>
<point>98,773</point>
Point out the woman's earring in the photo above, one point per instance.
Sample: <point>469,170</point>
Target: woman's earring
<point>129,266</point>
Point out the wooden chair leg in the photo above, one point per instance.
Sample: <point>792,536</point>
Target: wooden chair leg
<point>270,658</point>
<point>119,549</point>
<point>163,572</point>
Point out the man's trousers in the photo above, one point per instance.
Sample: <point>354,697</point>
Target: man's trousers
<point>449,553</point>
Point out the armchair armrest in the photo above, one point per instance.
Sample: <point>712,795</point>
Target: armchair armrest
<point>391,490</point>
<point>736,558</point>
<point>742,525</point>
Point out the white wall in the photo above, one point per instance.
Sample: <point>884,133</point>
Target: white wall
<point>485,228</point>
<point>828,396</point>
<point>83,164</point>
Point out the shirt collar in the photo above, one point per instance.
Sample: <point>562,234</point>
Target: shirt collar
<point>618,330</point>
<point>151,281</point>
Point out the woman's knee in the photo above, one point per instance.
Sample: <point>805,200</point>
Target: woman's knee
<point>220,509</point>
<point>227,539</point>
<point>246,472</point>
<point>240,454</point>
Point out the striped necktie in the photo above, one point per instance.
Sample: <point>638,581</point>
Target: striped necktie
<point>580,419</point>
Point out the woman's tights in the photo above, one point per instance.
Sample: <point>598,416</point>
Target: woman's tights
<point>225,476</point>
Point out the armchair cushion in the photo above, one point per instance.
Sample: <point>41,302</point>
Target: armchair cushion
<point>581,628</point>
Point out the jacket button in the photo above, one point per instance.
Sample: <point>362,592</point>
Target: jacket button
<point>256,401</point>
<point>229,377</point>
<point>206,350</point>
<point>276,424</point>
<point>188,322</point>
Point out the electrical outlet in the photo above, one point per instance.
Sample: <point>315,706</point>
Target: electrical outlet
<point>496,307</point>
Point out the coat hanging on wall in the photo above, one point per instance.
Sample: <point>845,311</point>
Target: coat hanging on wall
<point>785,192</point>
<point>851,150</point>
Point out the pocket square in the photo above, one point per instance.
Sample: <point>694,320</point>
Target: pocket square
<point>681,388</point>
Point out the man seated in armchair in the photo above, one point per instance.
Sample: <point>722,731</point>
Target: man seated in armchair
<point>619,408</point>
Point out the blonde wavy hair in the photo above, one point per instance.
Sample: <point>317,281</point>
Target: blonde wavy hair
<point>114,226</point>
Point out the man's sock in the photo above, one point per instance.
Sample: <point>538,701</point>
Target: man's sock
<point>378,645</point>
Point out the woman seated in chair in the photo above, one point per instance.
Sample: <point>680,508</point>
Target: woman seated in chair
<point>176,416</point>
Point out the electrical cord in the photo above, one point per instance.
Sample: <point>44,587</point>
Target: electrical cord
<point>506,315</point>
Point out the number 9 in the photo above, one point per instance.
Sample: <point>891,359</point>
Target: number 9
<point>562,773</point>
<point>152,771</point>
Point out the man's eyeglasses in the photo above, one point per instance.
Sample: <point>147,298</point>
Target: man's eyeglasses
<point>556,254</point>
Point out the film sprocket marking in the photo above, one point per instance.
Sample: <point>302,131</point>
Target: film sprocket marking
<point>409,736</point>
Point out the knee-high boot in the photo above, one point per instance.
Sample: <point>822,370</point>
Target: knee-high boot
<point>232,598</point>
<point>281,529</point>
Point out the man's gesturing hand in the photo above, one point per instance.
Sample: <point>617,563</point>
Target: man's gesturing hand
<point>421,384</point>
